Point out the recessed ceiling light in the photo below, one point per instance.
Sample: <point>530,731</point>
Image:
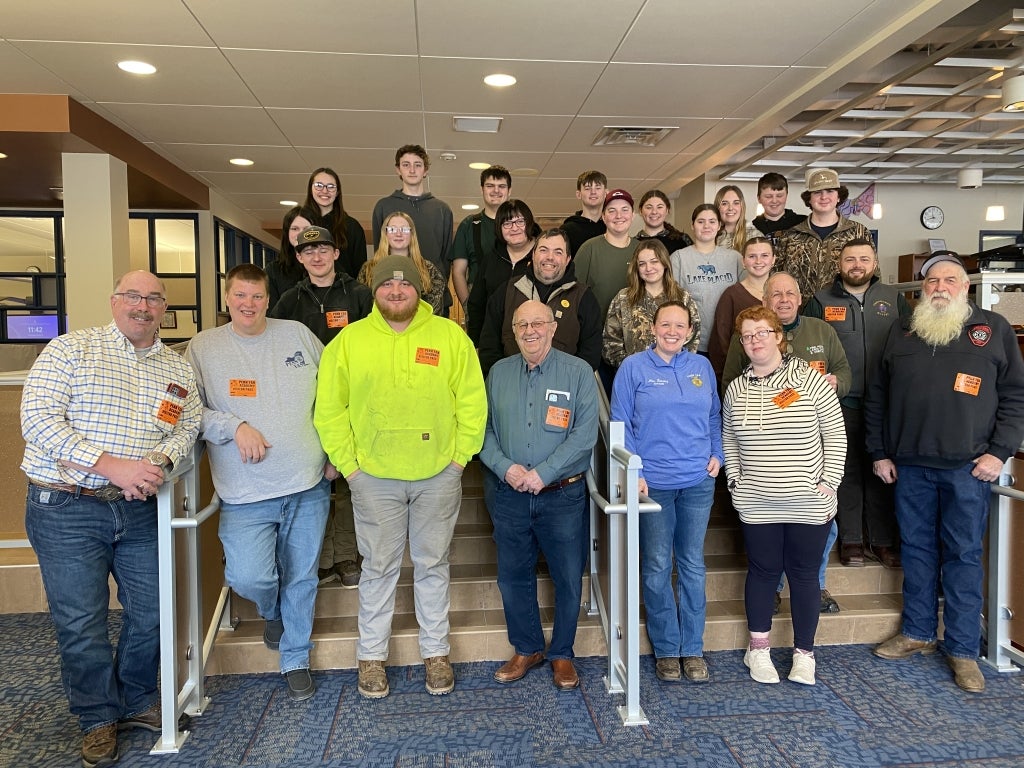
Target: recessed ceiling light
<point>136,67</point>
<point>2,156</point>
<point>525,172</point>
<point>240,161</point>
<point>289,202</point>
<point>479,166</point>
<point>500,81</point>
<point>471,206</point>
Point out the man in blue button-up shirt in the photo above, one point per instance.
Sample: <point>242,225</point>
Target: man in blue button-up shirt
<point>541,429</point>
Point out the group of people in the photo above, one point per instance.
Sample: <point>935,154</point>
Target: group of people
<point>338,369</point>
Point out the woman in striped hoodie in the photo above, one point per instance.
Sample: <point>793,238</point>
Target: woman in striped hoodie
<point>784,444</point>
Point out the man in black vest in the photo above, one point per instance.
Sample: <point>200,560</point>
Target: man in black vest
<point>551,280</point>
<point>861,309</point>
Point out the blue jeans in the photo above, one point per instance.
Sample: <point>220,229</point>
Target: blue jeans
<point>79,541</point>
<point>833,534</point>
<point>676,624</point>
<point>525,525</point>
<point>942,514</point>
<point>388,513</point>
<point>272,548</point>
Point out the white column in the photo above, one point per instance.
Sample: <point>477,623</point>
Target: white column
<point>96,240</point>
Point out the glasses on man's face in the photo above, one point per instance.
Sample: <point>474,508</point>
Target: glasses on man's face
<point>533,325</point>
<point>310,250</point>
<point>761,335</point>
<point>133,299</point>
<point>398,230</point>
<point>319,186</point>
<point>513,224</point>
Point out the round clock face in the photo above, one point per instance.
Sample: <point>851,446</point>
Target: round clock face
<point>932,217</point>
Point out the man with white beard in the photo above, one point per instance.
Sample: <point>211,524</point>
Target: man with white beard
<point>942,415</point>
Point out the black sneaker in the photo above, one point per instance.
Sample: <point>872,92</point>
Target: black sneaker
<point>272,632</point>
<point>778,604</point>
<point>828,603</point>
<point>300,684</point>
<point>349,572</point>
<point>325,576</point>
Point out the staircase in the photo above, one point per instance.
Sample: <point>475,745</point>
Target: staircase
<point>869,598</point>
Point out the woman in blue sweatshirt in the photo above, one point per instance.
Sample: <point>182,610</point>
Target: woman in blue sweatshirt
<point>668,399</point>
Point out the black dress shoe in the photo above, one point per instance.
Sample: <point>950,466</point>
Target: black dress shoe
<point>851,555</point>
<point>887,556</point>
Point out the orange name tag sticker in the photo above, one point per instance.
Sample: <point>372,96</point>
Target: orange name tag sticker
<point>427,356</point>
<point>337,318</point>
<point>969,385</point>
<point>169,412</point>
<point>242,388</point>
<point>557,417</point>
<point>786,397</point>
<point>835,314</point>
<point>818,365</point>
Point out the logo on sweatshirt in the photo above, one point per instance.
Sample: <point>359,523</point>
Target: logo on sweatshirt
<point>296,360</point>
<point>980,335</point>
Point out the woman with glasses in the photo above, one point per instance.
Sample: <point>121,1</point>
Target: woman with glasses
<point>285,271</point>
<point>732,209</point>
<point>668,400</point>
<point>323,194</point>
<point>758,260</point>
<point>398,238</point>
<point>785,444</point>
<point>705,269</point>
<point>516,235</point>
<point>627,328</point>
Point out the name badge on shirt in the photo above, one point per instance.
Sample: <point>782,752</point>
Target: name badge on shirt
<point>557,417</point>
<point>427,356</point>
<point>818,365</point>
<point>835,314</point>
<point>969,385</point>
<point>337,318</point>
<point>786,397</point>
<point>242,388</point>
<point>172,405</point>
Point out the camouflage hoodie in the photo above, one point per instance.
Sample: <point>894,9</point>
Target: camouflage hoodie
<point>814,262</point>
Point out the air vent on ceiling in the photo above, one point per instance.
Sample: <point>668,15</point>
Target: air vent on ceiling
<point>643,136</point>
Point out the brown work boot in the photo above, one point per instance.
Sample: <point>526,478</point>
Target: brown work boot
<point>373,680</point>
<point>517,667</point>
<point>99,746</point>
<point>902,647</point>
<point>440,678</point>
<point>967,674</point>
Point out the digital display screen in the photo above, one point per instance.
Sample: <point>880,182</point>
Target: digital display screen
<point>31,327</point>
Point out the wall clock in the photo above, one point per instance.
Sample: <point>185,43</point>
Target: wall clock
<point>932,217</point>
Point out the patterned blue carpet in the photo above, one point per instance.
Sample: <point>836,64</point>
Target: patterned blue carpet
<point>863,713</point>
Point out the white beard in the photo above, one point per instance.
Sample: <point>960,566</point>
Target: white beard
<point>937,324</point>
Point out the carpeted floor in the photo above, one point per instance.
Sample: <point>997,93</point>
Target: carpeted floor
<point>864,712</point>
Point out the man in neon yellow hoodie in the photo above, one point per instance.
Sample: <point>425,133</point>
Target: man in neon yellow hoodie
<point>401,408</point>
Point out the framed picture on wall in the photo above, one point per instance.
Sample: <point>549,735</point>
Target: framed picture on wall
<point>170,319</point>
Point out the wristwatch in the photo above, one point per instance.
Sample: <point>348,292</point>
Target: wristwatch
<point>157,459</point>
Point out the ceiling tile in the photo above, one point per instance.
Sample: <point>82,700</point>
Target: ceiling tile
<point>580,136</point>
<point>617,164</point>
<point>20,74</point>
<point>184,75</point>
<point>201,125</point>
<point>214,157</point>
<point>349,128</point>
<point>153,22</point>
<point>519,133</point>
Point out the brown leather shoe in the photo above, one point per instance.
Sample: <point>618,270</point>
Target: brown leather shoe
<point>967,674</point>
<point>902,647</point>
<point>851,555</point>
<point>887,556</point>
<point>151,719</point>
<point>99,746</point>
<point>564,674</point>
<point>517,667</point>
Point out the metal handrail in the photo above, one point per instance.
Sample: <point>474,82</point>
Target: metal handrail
<point>622,504</point>
<point>1000,653</point>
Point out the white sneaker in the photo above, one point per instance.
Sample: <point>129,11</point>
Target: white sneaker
<point>759,662</point>
<point>803,669</point>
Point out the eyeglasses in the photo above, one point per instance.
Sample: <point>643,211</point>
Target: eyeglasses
<point>309,250</point>
<point>535,325</point>
<point>514,224</point>
<point>761,335</point>
<point>398,230</point>
<point>319,186</point>
<point>133,299</point>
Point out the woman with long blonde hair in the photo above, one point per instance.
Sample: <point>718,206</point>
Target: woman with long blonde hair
<point>732,209</point>
<point>398,238</point>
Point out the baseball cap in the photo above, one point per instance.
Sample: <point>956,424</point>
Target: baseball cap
<point>937,258</point>
<point>618,194</point>
<point>313,236</point>
<point>822,178</point>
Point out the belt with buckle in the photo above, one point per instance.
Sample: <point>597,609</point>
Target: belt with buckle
<point>562,483</point>
<point>108,492</point>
